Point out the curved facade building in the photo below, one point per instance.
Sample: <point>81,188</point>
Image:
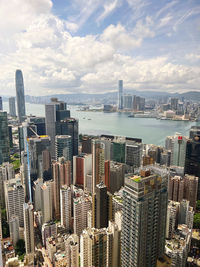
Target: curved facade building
<point>20,95</point>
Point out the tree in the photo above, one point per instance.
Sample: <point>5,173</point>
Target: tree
<point>4,224</point>
<point>198,205</point>
<point>196,224</point>
<point>20,248</point>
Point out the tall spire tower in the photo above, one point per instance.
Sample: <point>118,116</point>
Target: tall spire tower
<point>20,95</point>
<point>120,95</point>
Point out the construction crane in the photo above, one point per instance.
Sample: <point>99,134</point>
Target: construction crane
<point>28,162</point>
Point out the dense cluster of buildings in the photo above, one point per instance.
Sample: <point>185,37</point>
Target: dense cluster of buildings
<point>96,201</point>
<point>164,108</point>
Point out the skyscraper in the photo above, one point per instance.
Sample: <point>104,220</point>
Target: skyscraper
<point>69,126</point>
<point>144,220</point>
<point>14,198</point>
<point>36,146</point>
<point>101,207</point>
<point>61,176</point>
<point>29,228</point>
<point>6,173</point>
<point>20,95</point>
<point>192,160</point>
<point>81,206</point>
<point>98,165</point>
<point>12,108</point>
<point>4,138</point>
<point>82,165</point>
<point>14,229</point>
<point>120,95</point>
<point>119,150</point>
<point>63,147</point>
<point>46,202</point>
<point>1,103</point>
<point>66,206</point>
<point>56,111</point>
<point>133,154</point>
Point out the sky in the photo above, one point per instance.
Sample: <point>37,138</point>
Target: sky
<point>86,46</point>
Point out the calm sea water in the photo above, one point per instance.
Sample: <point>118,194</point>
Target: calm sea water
<point>152,131</point>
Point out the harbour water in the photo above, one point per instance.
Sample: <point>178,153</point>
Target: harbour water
<point>152,131</point>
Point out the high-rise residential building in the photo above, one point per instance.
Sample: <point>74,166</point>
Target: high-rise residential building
<point>36,146</point>
<point>82,166</point>
<point>93,247</point>
<point>117,173</point>
<point>120,94</point>
<point>134,154</point>
<point>4,138</point>
<point>192,160</point>
<point>107,146</point>
<point>176,188</point>
<point>14,198</point>
<point>66,206</point>
<point>12,108</point>
<point>20,95</point>
<point>6,173</point>
<point>191,189</point>
<point>144,219</point>
<point>1,103</point>
<point>56,111</point>
<point>186,214</point>
<point>86,144</point>
<point>186,187</point>
<point>14,229</point>
<point>29,228</point>
<point>101,207</point>
<point>81,206</point>
<point>48,230</point>
<point>118,150</point>
<point>37,194</point>
<point>72,250</point>
<point>61,176</point>
<point>98,166</point>
<point>107,174</point>
<point>63,145</point>
<point>172,218</point>
<point>178,247</point>
<point>46,164</point>
<point>100,247</point>
<point>46,202</point>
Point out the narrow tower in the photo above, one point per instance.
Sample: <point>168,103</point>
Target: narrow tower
<point>20,95</point>
<point>120,95</point>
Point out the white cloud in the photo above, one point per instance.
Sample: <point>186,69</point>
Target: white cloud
<point>119,38</point>
<point>17,15</point>
<point>165,21</point>
<point>108,9</point>
<point>192,57</point>
<point>54,61</point>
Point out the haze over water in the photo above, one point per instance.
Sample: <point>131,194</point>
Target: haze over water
<point>152,131</point>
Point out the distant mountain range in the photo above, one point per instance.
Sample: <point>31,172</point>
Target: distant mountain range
<point>108,98</point>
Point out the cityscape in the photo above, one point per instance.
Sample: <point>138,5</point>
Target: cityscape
<point>99,133</point>
<point>70,199</point>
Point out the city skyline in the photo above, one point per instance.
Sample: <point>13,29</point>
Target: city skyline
<point>151,46</point>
